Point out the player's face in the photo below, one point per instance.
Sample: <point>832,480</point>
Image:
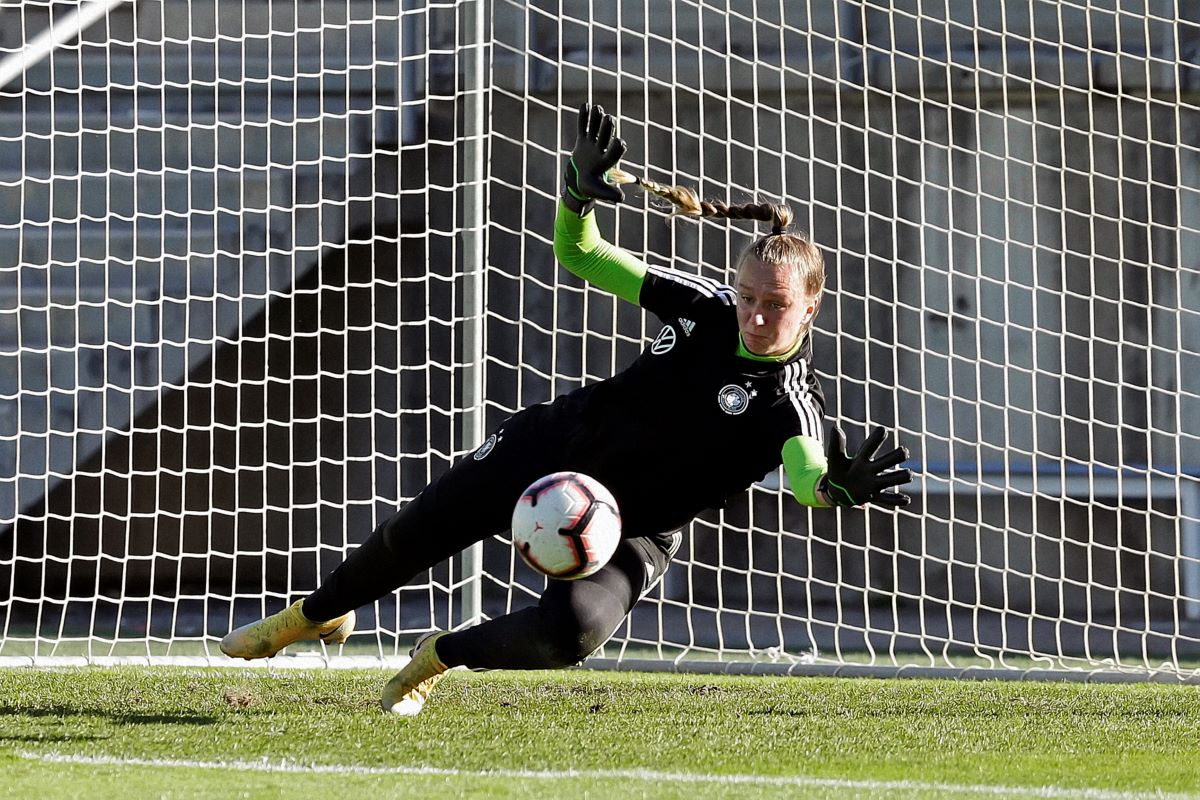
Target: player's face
<point>773,307</point>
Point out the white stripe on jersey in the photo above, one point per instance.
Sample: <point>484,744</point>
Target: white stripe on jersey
<point>706,286</point>
<point>795,383</point>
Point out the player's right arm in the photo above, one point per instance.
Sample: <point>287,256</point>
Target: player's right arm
<point>578,245</point>
<point>581,249</point>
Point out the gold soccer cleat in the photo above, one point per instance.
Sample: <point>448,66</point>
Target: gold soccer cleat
<point>267,637</point>
<point>406,693</point>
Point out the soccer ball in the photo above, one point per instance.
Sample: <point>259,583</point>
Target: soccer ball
<point>566,525</point>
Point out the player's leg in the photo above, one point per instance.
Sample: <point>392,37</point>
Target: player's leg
<point>471,501</point>
<point>571,621</point>
<point>393,553</point>
<point>463,506</point>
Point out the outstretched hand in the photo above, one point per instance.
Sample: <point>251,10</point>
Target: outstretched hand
<point>597,150</point>
<point>863,478</point>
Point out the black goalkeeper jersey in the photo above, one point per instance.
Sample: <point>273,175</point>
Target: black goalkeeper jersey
<point>690,423</point>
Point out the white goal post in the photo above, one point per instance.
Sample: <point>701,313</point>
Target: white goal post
<point>268,266</point>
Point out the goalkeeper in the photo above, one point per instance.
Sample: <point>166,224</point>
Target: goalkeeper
<point>721,397</point>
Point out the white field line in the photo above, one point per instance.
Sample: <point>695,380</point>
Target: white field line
<point>796,781</point>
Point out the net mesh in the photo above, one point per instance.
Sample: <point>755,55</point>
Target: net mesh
<point>256,260</point>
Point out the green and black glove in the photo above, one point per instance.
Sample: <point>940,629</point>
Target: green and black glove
<point>863,478</point>
<point>597,150</point>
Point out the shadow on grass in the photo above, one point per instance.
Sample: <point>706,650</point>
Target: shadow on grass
<point>120,718</point>
<point>41,738</point>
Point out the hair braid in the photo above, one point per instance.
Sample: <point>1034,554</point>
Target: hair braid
<point>779,247</point>
<point>688,204</point>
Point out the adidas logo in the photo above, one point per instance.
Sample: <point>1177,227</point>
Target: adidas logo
<point>687,326</point>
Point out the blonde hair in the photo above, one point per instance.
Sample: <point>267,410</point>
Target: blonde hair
<point>778,247</point>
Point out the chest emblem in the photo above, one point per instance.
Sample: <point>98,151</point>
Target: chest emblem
<point>687,326</point>
<point>733,399</point>
<point>664,341</point>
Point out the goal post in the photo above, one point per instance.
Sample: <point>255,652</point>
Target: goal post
<point>266,268</point>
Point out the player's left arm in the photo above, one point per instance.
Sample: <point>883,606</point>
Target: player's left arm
<point>805,464</point>
<point>834,478</point>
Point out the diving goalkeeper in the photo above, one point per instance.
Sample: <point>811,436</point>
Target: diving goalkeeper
<point>723,395</point>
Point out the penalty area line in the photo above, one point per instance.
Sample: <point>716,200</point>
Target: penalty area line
<point>794,781</point>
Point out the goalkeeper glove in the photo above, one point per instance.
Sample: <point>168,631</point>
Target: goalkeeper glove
<point>597,150</point>
<point>863,478</point>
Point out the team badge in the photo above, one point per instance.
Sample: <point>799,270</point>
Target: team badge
<point>733,399</point>
<point>486,447</point>
<point>664,341</point>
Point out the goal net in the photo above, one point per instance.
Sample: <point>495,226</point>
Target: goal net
<point>266,268</point>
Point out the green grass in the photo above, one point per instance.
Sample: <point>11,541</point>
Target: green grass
<point>776,737</point>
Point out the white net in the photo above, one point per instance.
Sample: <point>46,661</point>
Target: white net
<point>267,267</point>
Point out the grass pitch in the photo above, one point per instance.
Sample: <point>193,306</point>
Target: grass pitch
<point>180,733</point>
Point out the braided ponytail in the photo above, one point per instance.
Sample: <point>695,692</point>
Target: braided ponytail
<point>778,247</point>
<point>688,204</point>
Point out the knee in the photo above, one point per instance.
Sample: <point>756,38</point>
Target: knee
<point>568,639</point>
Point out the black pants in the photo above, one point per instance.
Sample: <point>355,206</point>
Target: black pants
<point>471,502</point>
